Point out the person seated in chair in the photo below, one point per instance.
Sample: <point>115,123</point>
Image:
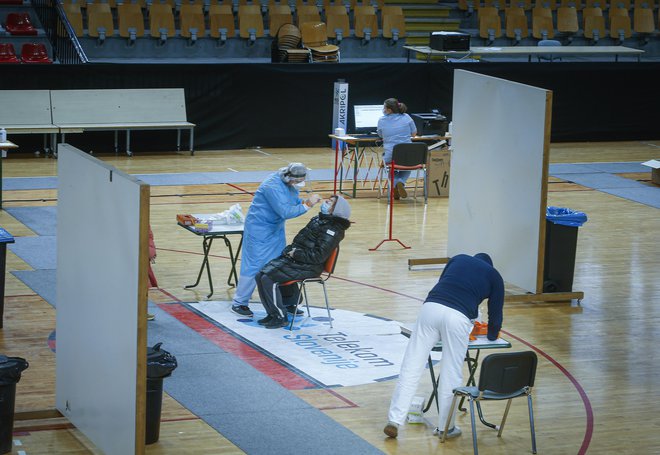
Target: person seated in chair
<point>396,127</point>
<point>304,258</point>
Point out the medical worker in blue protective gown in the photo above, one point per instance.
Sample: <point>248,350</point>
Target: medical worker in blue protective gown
<point>277,199</point>
<point>448,314</point>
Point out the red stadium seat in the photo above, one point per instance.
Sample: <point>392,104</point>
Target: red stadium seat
<point>8,54</point>
<point>20,24</point>
<point>34,53</point>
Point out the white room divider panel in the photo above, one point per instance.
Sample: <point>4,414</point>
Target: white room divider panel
<point>102,254</point>
<point>498,174</point>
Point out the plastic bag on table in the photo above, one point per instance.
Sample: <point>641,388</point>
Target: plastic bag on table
<point>232,216</point>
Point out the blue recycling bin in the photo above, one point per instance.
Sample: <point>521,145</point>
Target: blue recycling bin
<point>561,231</point>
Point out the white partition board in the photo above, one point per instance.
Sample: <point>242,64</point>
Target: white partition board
<point>101,295</point>
<point>498,165</point>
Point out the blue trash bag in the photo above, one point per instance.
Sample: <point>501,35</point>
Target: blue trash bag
<point>565,216</point>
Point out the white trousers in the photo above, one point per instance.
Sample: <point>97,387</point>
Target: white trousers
<point>435,322</point>
<point>244,290</point>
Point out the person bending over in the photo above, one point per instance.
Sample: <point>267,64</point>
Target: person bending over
<point>448,314</point>
<point>304,258</point>
<point>396,127</point>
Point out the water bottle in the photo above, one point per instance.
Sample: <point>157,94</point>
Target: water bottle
<point>3,135</point>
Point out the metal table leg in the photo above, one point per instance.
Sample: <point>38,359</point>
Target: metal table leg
<point>206,246</point>
<point>233,260</point>
<point>434,393</point>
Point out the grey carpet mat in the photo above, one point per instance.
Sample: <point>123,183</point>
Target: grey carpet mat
<point>645,195</point>
<point>41,220</point>
<point>39,252</point>
<point>244,405</point>
<point>40,281</point>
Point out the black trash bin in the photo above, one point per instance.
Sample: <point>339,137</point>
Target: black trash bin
<point>160,365</point>
<point>561,230</point>
<point>10,373</point>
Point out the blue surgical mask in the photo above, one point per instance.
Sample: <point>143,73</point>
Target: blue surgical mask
<point>325,207</point>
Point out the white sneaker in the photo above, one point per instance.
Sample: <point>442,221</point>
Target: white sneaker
<point>451,433</point>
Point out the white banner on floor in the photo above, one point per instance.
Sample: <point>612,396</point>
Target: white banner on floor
<point>360,349</point>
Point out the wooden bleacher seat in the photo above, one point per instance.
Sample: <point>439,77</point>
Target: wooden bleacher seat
<point>161,18</point>
<point>99,19</point>
<point>365,22</point>
<point>490,27</point>
<point>248,9</point>
<point>516,27</point>
<point>542,27</point>
<point>394,27</point>
<point>620,27</point>
<point>594,27</point>
<point>74,16</point>
<point>487,11</point>
<point>8,53</point>
<point>541,11</point>
<point>338,25</point>
<point>391,9</point>
<point>643,22</point>
<point>278,15</point>
<point>191,17</point>
<point>250,26</point>
<point>567,21</point>
<point>315,38</point>
<point>34,53</point>
<point>221,22</point>
<point>591,11</point>
<point>130,20</point>
<point>307,13</point>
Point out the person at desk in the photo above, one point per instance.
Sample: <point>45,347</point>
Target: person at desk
<point>396,127</point>
<point>277,199</point>
<point>448,314</point>
<point>304,258</point>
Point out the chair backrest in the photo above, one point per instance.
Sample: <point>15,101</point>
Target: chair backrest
<point>99,15</point>
<point>129,15</point>
<point>541,24</point>
<point>161,16</point>
<point>365,21</point>
<point>392,21</point>
<point>516,22</point>
<point>330,263</point>
<point>246,22</point>
<point>567,20</point>
<point>592,23</point>
<point>338,21</point>
<point>488,25</point>
<point>410,154</point>
<point>336,10</point>
<point>508,372</point>
<point>643,20</point>
<point>314,33</point>
<point>620,26</point>
<point>192,16</point>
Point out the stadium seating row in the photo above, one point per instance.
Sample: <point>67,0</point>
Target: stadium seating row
<point>592,23</point>
<point>220,22</point>
<point>473,5</point>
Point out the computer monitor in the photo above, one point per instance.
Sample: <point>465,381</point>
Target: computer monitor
<point>366,117</point>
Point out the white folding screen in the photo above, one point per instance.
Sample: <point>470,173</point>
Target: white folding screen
<point>102,227</point>
<point>498,167</point>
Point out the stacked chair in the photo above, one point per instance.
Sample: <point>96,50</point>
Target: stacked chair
<point>315,38</point>
<point>288,45</point>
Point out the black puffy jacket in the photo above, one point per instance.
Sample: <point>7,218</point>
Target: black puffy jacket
<point>313,245</point>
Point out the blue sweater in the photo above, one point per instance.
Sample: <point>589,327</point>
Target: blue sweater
<point>465,282</point>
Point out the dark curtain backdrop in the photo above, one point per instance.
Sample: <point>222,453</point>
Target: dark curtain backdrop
<point>281,105</point>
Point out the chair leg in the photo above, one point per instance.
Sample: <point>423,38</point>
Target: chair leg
<point>416,182</point>
<point>506,413</point>
<point>531,422</point>
<point>451,413</point>
<point>304,288</point>
<point>327,304</point>
<point>295,309</point>
<point>426,187</point>
<point>474,427</point>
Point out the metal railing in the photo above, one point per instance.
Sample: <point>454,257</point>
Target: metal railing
<point>66,47</point>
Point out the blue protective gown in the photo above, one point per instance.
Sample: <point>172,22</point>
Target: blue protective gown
<point>264,237</point>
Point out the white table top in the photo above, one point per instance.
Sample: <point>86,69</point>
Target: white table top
<point>529,50</point>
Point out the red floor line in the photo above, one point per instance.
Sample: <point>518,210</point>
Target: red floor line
<point>193,252</point>
<point>344,399</point>
<point>229,343</point>
<point>583,395</point>
<point>240,189</point>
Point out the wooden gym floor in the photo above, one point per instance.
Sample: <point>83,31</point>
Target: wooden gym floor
<point>597,381</point>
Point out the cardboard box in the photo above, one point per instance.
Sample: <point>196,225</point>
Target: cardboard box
<point>655,170</point>
<point>438,167</point>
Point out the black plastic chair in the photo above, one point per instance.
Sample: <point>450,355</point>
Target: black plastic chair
<point>410,157</point>
<point>502,377</point>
